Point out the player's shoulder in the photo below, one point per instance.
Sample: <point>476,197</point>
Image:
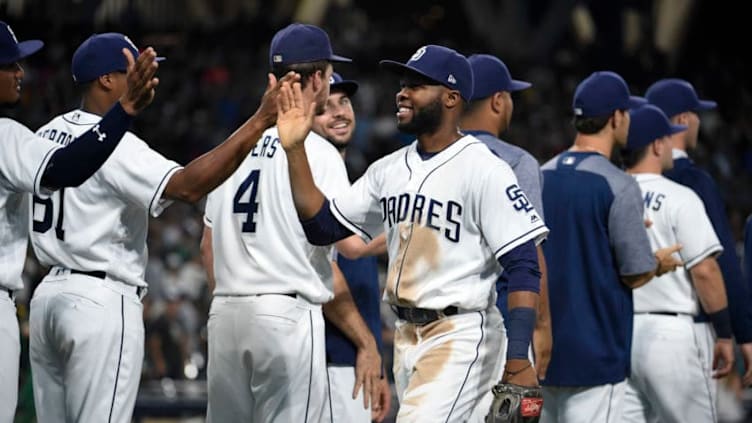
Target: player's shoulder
<point>13,127</point>
<point>512,154</point>
<point>681,192</point>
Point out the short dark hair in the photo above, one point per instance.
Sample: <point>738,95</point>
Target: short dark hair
<point>629,158</point>
<point>304,69</point>
<point>590,125</point>
<point>473,105</point>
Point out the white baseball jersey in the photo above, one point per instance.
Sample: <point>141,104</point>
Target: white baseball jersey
<point>259,243</point>
<point>22,162</point>
<point>103,223</point>
<point>678,217</point>
<point>447,220</point>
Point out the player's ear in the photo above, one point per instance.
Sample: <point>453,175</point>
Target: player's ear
<point>452,99</point>
<point>105,81</point>
<point>497,102</point>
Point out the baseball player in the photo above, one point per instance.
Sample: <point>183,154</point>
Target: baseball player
<point>670,381</point>
<point>30,165</point>
<point>597,253</point>
<point>337,125</point>
<point>489,114</point>
<point>678,100</point>
<point>86,324</point>
<point>266,359</point>
<point>450,210</point>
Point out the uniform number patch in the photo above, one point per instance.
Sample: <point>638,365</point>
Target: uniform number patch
<point>45,223</point>
<point>249,207</point>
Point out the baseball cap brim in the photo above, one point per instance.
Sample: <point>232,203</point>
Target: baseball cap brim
<point>349,87</point>
<point>400,69</point>
<point>706,105</point>
<point>675,129</point>
<point>516,85</point>
<point>340,59</point>
<point>636,101</point>
<point>29,47</point>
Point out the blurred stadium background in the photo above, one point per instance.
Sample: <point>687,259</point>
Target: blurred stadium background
<point>217,59</point>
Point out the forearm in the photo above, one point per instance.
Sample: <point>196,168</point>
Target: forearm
<point>342,312</point>
<point>543,319</point>
<point>708,282</point>
<point>306,195</point>
<point>353,247</point>
<point>208,171</point>
<point>207,258</point>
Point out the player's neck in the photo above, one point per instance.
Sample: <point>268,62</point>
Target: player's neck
<point>646,166</point>
<point>593,143</point>
<point>96,104</point>
<point>472,122</point>
<point>439,140</point>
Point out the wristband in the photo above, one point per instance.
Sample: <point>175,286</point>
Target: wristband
<point>721,321</point>
<point>520,332</point>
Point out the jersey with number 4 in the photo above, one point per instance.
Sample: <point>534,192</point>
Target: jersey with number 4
<point>258,241</point>
<point>447,219</point>
<point>678,217</point>
<point>102,224</point>
<point>22,162</point>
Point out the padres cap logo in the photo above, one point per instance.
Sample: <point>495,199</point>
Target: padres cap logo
<point>418,54</point>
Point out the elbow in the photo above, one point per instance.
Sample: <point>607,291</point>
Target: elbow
<point>636,281</point>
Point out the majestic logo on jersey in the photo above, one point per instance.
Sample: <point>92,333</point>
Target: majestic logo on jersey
<point>518,198</point>
<point>100,135</point>
<point>418,54</point>
<point>417,208</point>
<point>654,200</point>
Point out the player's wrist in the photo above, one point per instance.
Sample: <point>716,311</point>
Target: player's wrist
<point>721,321</point>
<point>520,332</point>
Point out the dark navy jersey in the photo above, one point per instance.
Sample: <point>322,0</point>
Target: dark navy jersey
<point>688,174</point>
<point>363,279</point>
<point>595,214</point>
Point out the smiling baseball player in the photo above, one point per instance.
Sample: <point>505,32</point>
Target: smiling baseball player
<point>670,381</point>
<point>29,164</point>
<point>450,210</point>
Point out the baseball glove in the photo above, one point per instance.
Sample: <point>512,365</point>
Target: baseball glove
<point>515,404</point>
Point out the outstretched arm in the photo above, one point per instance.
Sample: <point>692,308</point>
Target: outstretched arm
<point>72,165</point>
<point>295,117</point>
<point>205,173</point>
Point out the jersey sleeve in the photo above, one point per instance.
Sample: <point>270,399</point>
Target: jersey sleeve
<point>626,231</point>
<point>530,179</point>
<point>24,159</point>
<point>507,219</point>
<point>140,174</point>
<point>209,209</point>
<point>358,207</point>
<point>694,231</point>
<point>327,167</point>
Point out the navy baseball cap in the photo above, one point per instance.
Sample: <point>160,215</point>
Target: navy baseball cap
<point>675,96</point>
<point>602,93</point>
<point>11,50</point>
<point>101,54</point>
<point>647,124</point>
<point>337,83</point>
<point>301,43</point>
<point>491,75</point>
<point>440,64</point>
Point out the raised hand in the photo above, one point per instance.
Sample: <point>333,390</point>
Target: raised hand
<point>141,81</point>
<point>294,116</point>
<point>267,110</point>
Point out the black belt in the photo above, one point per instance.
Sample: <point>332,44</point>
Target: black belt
<point>422,316</point>
<point>662,313</point>
<point>94,273</point>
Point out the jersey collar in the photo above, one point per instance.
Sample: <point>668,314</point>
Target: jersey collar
<point>80,117</point>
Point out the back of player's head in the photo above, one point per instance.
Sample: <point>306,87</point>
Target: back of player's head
<point>647,124</point>
<point>337,83</point>
<point>601,94</point>
<point>674,96</point>
<point>101,54</point>
<point>491,75</point>
<point>439,64</point>
<point>12,50</point>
